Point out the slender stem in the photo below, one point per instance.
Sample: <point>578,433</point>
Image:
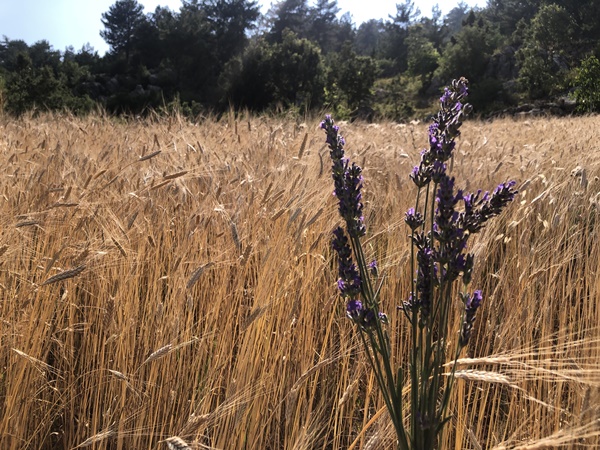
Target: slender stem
<point>387,382</point>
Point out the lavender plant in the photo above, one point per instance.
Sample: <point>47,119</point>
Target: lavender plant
<point>440,224</point>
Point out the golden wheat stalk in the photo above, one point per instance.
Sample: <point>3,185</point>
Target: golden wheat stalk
<point>176,443</point>
<point>158,354</point>
<point>41,366</point>
<point>99,437</point>
<point>149,156</point>
<point>196,275</point>
<point>64,275</point>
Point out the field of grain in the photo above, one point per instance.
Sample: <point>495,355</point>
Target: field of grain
<point>161,279</point>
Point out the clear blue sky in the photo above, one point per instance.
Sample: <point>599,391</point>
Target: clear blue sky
<point>77,22</point>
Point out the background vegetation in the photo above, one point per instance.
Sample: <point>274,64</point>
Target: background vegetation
<point>161,278</point>
<point>213,54</point>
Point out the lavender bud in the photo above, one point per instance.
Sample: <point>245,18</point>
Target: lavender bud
<point>468,268</point>
<point>368,319</point>
<point>354,310</point>
<point>373,268</point>
<point>349,282</point>
<point>472,303</point>
<point>414,219</point>
<point>421,175</point>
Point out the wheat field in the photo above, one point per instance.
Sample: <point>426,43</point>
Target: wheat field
<point>165,284</point>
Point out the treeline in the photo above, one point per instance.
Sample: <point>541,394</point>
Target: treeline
<point>211,55</point>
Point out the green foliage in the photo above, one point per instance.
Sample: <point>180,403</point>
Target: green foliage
<point>552,29</point>
<point>393,42</point>
<point>423,58</point>
<point>542,57</point>
<point>506,14</point>
<point>536,75</point>
<point>587,85</point>
<point>469,51</point>
<point>298,72</point>
<point>213,53</point>
<point>368,37</point>
<point>31,87</point>
<point>121,22</point>
<point>323,24</point>
<point>290,74</point>
<point>489,95</point>
<point>350,79</point>
<point>247,81</point>
<point>291,15</point>
<point>395,97</point>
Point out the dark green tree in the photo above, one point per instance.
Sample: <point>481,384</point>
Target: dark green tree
<point>368,37</point>
<point>10,51</point>
<point>351,79</point>
<point>323,24</point>
<point>230,21</point>
<point>469,51</point>
<point>192,50</point>
<point>433,28</point>
<point>544,58</point>
<point>298,72</point>
<point>248,81</point>
<point>393,43</point>
<point>585,35</point>
<point>505,14</point>
<point>29,87</point>
<point>289,74</point>
<point>121,22</point>
<point>455,18</point>
<point>423,57</point>
<point>289,15</point>
<point>587,85</point>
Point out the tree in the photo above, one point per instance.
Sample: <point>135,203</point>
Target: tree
<point>368,37</point>
<point>298,72</point>
<point>545,53</point>
<point>10,50</point>
<point>454,19</point>
<point>323,23</point>
<point>585,34</point>
<point>423,58</point>
<point>351,78</point>
<point>248,81</point>
<point>505,14</point>
<point>121,23</point>
<point>587,85</point>
<point>394,45</point>
<point>28,87</point>
<point>291,15</point>
<point>290,74</point>
<point>230,21</point>
<point>552,29</point>
<point>468,52</point>
<point>191,50</point>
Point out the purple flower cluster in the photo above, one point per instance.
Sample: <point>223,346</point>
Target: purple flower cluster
<point>441,256</point>
<point>347,188</point>
<point>349,282</point>
<point>347,181</point>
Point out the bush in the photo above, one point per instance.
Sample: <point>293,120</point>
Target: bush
<point>587,85</point>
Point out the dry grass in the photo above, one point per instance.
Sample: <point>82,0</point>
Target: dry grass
<point>170,285</point>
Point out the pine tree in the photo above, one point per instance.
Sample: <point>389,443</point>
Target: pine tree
<point>120,23</point>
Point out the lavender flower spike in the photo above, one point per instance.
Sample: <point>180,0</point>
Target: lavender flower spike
<point>347,181</point>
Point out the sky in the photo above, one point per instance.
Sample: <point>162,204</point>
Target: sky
<point>75,23</point>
